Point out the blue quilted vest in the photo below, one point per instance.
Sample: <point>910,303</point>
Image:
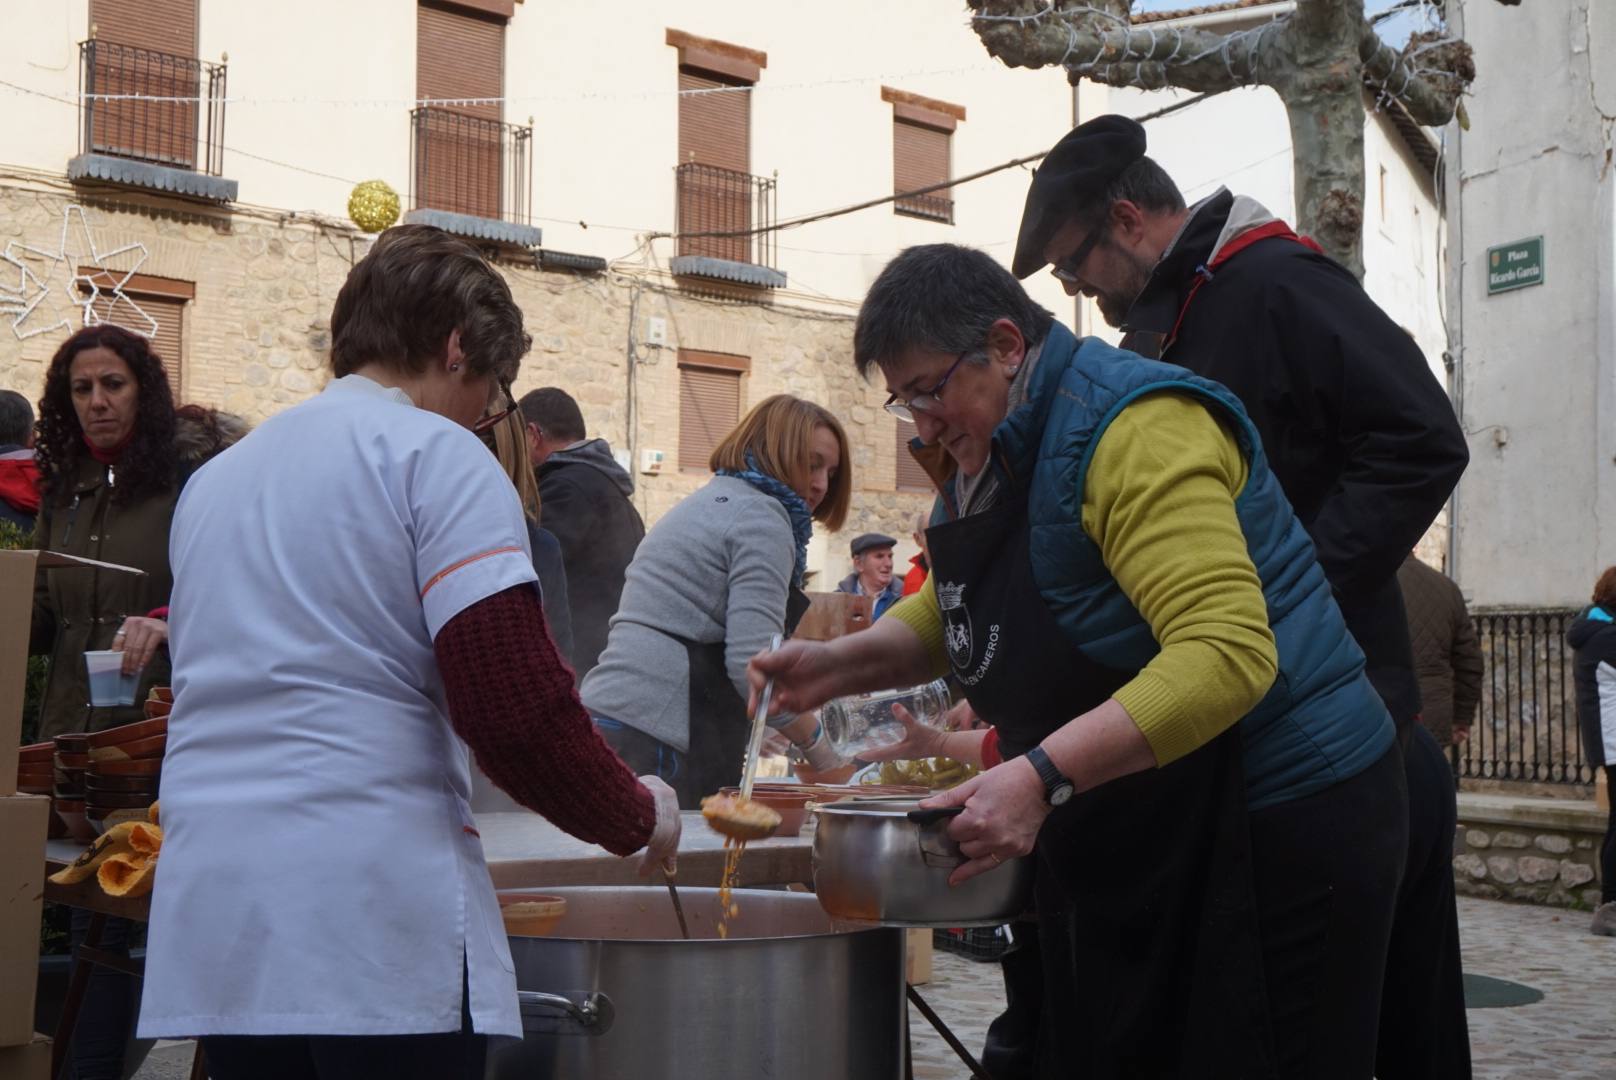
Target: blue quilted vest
<point>1322,721</point>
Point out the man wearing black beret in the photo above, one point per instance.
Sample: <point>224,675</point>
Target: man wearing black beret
<point>1359,432</point>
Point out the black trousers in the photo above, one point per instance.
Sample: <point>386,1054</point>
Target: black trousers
<point>1424,1034</point>
<point>1607,851</point>
<point>457,1055</point>
<point>1326,869</point>
<point>107,1015</point>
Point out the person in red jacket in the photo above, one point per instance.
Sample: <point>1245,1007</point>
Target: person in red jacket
<point>19,475</point>
<point>920,563</point>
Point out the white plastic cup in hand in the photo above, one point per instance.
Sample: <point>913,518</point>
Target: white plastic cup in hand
<point>108,684</point>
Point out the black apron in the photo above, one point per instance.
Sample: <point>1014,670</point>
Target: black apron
<point>719,724</point>
<point>1146,913</point>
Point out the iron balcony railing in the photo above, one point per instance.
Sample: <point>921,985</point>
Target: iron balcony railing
<point>1526,728</point>
<point>151,106</point>
<point>724,214</point>
<point>471,165</point>
<point>934,206</point>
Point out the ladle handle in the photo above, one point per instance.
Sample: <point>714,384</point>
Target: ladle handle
<point>755,745</point>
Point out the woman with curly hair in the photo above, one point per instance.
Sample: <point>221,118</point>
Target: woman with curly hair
<point>110,473</point>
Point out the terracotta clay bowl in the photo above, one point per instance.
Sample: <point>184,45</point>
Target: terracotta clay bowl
<point>134,749</point>
<point>75,818</point>
<point>118,800</point>
<point>155,709</point>
<point>128,733</point>
<point>150,766</point>
<point>790,805</point>
<point>39,751</point>
<point>162,693</point>
<point>530,914</point>
<point>73,760</point>
<point>77,742</point>
<point>143,785</point>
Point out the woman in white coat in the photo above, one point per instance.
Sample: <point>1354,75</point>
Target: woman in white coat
<point>355,597</point>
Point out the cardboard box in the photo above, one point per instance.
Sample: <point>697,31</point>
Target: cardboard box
<point>30,1061</point>
<point>917,956</point>
<point>833,615</point>
<point>23,821</point>
<point>16,615</point>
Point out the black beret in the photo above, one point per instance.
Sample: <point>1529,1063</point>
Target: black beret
<point>866,541</point>
<point>1072,175</point>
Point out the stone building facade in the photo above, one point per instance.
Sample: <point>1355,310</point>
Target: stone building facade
<point>257,334</point>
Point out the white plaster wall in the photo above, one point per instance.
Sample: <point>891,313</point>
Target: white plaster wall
<point>1535,364</point>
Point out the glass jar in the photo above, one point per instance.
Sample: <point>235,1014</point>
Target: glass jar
<point>863,722</point>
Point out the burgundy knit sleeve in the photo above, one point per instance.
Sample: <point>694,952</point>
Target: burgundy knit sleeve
<point>511,697</point>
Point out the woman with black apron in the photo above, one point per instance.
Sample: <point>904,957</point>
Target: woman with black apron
<point>1182,731</point>
<point>714,580</point>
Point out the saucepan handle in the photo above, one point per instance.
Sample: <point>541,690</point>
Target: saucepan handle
<point>587,1013</point>
<point>936,814</point>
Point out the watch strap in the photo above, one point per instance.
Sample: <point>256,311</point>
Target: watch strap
<point>1047,772</point>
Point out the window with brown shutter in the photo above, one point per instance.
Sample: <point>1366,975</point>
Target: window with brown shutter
<point>709,404</point>
<point>147,48</point>
<point>459,54</point>
<point>922,152</point>
<point>137,305</point>
<point>715,135</point>
<point>910,476</point>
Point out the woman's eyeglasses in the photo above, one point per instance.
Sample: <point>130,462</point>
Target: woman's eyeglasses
<point>492,420</point>
<point>928,400</point>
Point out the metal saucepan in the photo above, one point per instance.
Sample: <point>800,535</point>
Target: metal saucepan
<point>886,861</point>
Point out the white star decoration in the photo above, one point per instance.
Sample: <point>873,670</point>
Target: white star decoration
<point>49,283</point>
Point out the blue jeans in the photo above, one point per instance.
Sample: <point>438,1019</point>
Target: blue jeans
<point>645,754</point>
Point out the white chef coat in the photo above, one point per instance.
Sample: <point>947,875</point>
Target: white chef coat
<point>320,872</point>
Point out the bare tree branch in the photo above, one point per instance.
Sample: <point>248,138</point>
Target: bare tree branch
<point>1430,96</point>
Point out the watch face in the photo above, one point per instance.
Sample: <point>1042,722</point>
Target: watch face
<point>1059,796</point>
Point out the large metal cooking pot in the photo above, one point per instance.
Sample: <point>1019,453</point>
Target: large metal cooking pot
<point>617,993</point>
<point>886,861</point>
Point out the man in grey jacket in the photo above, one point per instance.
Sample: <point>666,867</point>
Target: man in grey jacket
<point>584,500</point>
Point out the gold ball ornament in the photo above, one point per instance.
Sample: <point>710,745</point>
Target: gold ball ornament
<point>373,205</point>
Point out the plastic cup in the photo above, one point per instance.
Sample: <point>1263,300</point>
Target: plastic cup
<point>108,684</point>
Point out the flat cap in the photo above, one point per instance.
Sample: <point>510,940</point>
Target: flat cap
<point>1072,175</point>
<point>865,542</point>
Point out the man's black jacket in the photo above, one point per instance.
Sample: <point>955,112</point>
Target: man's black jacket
<point>1357,429</point>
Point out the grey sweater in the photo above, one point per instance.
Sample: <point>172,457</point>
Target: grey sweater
<point>714,569</point>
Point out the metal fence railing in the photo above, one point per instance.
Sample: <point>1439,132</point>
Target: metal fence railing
<point>1526,726</point>
<point>151,106</point>
<point>714,200</point>
<point>471,165</point>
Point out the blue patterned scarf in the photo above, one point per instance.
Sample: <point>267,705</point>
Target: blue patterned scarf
<point>802,522</point>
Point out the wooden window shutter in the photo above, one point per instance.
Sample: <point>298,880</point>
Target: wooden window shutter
<point>167,26</point>
<point>168,341</point>
<point>715,128</point>
<point>709,409</point>
<point>459,148</point>
<point>920,158</point>
<point>910,476</point>
<point>715,195</point>
<point>145,47</point>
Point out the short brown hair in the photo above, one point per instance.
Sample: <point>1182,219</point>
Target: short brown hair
<point>1605,589</point>
<point>417,285</point>
<point>778,434</point>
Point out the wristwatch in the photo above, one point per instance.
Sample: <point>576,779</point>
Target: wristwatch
<point>1057,789</point>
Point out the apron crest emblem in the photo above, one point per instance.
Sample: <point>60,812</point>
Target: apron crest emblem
<point>956,623</point>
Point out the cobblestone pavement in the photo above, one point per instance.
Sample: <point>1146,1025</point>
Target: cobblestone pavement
<point>1569,1035</point>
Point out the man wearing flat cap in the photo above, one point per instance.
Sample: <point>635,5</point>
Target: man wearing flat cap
<point>1359,432</point>
<point>872,573</point>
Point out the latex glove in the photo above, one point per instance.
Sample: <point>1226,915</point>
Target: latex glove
<point>1004,809</point>
<point>139,639</point>
<point>662,850</point>
<point>919,741</point>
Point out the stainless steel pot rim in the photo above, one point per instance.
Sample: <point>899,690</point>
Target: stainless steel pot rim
<point>871,806</point>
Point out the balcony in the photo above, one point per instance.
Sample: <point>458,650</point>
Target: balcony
<point>472,176</point>
<point>146,122</point>
<point>717,213</point>
<point>932,207</point>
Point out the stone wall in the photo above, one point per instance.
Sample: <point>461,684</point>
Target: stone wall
<point>257,336</point>
<point>1545,851</point>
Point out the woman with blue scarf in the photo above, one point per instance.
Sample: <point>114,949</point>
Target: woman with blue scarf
<point>711,583</point>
